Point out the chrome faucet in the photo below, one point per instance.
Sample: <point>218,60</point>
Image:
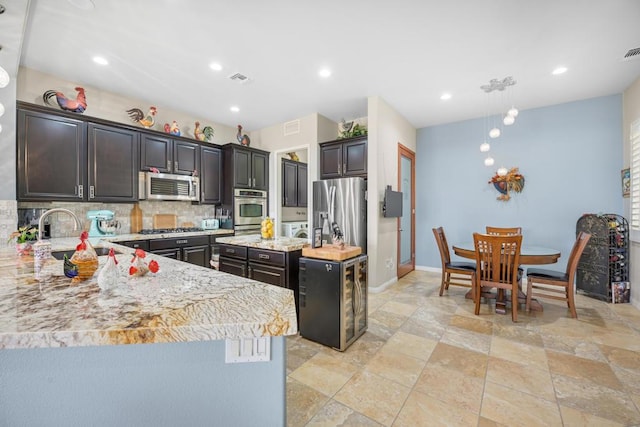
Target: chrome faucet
<point>77,225</point>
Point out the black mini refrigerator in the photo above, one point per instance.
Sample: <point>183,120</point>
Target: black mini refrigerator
<point>333,300</point>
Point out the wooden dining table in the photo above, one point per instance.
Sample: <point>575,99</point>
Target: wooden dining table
<point>529,255</point>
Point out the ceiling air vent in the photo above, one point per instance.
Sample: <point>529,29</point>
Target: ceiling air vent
<point>292,127</point>
<point>632,53</point>
<point>239,78</point>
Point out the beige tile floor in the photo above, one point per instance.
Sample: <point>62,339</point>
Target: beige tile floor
<point>428,360</point>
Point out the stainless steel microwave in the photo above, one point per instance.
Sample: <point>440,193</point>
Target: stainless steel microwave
<point>166,186</point>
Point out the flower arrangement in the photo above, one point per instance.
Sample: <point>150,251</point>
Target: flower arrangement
<point>23,238</point>
<point>512,181</point>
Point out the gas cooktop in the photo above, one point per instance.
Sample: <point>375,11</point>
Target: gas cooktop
<point>170,230</point>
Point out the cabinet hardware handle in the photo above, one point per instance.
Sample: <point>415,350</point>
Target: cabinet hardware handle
<point>91,192</point>
<point>339,169</point>
<point>231,251</point>
<point>80,191</point>
<point>263,256</point>
<point>168,164</point>
<point>179,242</point>
<point>175,166</point>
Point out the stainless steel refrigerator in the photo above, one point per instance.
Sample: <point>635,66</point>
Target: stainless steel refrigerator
<point>344,202</point>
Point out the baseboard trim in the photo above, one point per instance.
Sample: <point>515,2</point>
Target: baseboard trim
<point>384,286</point>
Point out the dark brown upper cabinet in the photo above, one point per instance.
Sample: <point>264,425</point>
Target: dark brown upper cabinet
<point>168,155</point>
<point>210,175</point>
<point>246,167</point>
<point>343,158</point>
<point>61,158</point>
<point>294,184</point>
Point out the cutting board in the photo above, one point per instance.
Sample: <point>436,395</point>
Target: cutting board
<point>165,221</point>
<point>331,253</point>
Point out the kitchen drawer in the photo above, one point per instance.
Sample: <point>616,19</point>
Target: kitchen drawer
<point>268,274</point>
<point>233,266</point>
<point>178,242</point>
<point>233,251</point>
<point>136,244</point>
<point>267,257</point>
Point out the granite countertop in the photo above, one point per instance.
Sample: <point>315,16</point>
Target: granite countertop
<point>40,307</point>
<point>284,244</point>
<point>137,236</point>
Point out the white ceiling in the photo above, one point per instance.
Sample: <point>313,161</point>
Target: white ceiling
<point>408,52</point>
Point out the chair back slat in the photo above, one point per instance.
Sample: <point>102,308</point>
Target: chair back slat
<point>443,246</point>
<point>504,231</point>
<point>497,257</point>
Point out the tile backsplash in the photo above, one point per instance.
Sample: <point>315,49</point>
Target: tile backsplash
<point>8,220</point>
<point>62,225</point>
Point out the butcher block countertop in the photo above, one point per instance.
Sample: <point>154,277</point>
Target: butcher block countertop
<point>332,252</point>
<point>284,244</point>
<point>40,307</point>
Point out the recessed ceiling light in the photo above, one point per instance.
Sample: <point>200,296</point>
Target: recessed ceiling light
<point>559,70</point>
<point>445,96</point>
<point>235,109</point>
<point>100,60</point>
<point>324,73</point>
<point>215,66</point>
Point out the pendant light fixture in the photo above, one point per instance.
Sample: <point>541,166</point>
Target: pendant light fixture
<point>508,117</point>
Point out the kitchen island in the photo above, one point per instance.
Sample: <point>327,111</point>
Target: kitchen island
<point>149,352</point>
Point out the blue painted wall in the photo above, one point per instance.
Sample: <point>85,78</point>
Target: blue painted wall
<point>570,155</point>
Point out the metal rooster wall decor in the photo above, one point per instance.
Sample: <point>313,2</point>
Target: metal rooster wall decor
<point>203,134</point>
<point>242,139</point>
<point>147,121</point>
<point>77,105</point>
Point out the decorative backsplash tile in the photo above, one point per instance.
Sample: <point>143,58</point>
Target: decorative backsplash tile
<point>62,225</point>
<point>8,220</point>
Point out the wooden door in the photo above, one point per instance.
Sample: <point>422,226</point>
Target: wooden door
<point>51,157</point>
<point>289,183</point>
<point>407,223</point>
<point>330,160</point>
<point>302,185</point>
<point>210,175</point>
<point>260,171</point>
<point>113,164</point>
<point>242,169</point>
<point>186,158</point>
<point>354,154</point>
<point>156,152</point>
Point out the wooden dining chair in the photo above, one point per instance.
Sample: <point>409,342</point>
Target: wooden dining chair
<point>542,281</point>
<point>505,231</point>
<point>497,260</point>
<point>462,270</point>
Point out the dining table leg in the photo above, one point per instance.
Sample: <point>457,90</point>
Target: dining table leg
<point>522,297</point>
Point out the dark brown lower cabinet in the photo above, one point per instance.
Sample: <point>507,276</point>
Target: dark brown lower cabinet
<point>192,249</point>
<point>277,268</point>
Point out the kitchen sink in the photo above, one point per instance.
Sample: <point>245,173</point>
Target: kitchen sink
<point>99,251</point>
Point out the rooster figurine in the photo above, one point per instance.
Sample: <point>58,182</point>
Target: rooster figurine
<point>138,116</point>
<point>172,128</point>
<point>77,105</point>
<point>242,139</point>
<point>204,134</point>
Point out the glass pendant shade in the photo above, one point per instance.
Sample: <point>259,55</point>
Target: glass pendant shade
<point>513,112</point>
<point>488,161</point>
<point>502,171</point>
<point>508,120</point>
<point>4,77</point>
<point>494,133</point>
<point>484,147</point>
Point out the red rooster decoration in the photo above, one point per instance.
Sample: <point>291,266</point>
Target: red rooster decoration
<point>77,105</point>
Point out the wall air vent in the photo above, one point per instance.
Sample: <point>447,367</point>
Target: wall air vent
<point>632,53</point>
<point>239,78</point>
<point>292,127</point>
